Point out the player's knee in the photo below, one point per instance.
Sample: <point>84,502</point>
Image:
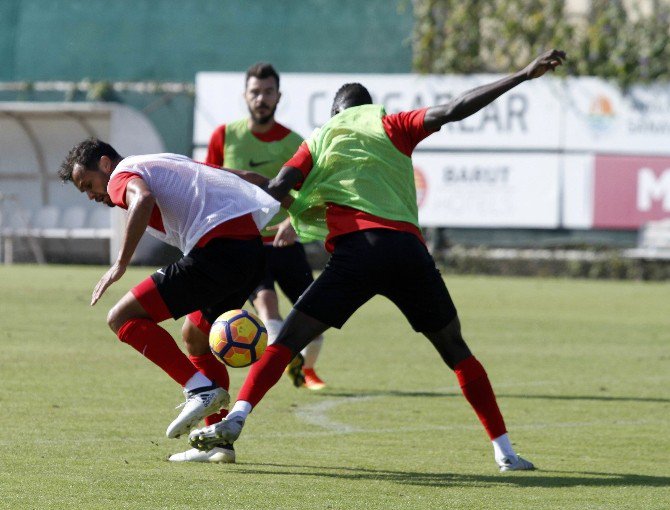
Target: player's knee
<point>195,340</point>
<point>266,304</point>
<point>114,319</point>
<point>450,343</point>
<point>119,315</point>
<point>452,332</point>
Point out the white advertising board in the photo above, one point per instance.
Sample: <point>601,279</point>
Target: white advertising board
<point>487,190</point>
<point>525,118</point>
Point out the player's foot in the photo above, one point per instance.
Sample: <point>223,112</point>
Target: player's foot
<point>199,403</point>
<point>294,371</point>
<point>220,454</point>
<point>510,463</point>
<point>312,381</point>
<point>226,431</point>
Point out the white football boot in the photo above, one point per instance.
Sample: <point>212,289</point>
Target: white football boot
<point>226,431</point>
<point>199,403</point>
<point>510,463</point>
<point>221,454</point>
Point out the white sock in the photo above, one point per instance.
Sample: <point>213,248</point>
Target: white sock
<point>241,409</point>
<point>197,380</point>
<point>311,352</point>
<point>274,327</point>
<point>503,448</point>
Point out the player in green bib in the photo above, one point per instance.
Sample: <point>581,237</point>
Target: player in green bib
<point>357,193</point>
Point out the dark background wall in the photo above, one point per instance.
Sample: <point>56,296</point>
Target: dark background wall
<point>170,40</point>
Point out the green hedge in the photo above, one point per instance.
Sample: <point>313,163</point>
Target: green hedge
<point>604,266</point>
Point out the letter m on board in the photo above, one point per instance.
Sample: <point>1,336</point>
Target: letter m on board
<point>652,188</point>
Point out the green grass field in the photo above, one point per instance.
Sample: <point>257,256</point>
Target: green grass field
<point>581,369</point>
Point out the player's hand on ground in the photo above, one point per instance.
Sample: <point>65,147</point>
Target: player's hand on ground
<point>286,235</point>
<point>548,61</point>
<point>113,274</point>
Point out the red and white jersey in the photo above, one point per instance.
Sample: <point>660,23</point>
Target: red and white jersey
<point>193,198</point>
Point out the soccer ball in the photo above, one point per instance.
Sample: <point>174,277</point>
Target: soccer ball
<point>238,338</point>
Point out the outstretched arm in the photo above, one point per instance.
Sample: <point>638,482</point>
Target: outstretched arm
<point>474,100</point>
<point>140,204</point>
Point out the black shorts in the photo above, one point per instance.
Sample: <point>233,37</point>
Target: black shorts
<point>396,265</point>
<point>288,267</point>
<point>213,279</point>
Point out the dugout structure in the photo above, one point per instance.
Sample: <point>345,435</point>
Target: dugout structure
<point>41,219</point>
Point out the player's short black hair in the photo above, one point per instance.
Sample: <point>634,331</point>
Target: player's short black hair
<point>87,154</point>
<point>262,70</point>
<point>348,95</point>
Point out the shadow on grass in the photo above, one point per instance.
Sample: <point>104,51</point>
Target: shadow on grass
<point>386,393</point>
<point>546,479</point>
<point>430,394</point>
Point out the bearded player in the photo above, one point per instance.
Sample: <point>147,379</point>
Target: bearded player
<point>214,218</point>
<point>261,144</point>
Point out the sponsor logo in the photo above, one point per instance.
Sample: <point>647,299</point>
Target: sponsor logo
<point>254,164</point>
<point>630,191</point>
<point>476,174</point>
<point>653,188</point>
<point>601,114</point>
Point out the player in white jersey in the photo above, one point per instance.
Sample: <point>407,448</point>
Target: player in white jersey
<point>214,218</point>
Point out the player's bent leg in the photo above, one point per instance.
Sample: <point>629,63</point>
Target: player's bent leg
<point>293,274</point>
<point>449,343</point>
<point>266,303</point>
<point>477,390</point>
<point>135,326</point>
<point>195,334</point>
<point>127,308</point>
<point>195,339</point>
<point>297,328</point>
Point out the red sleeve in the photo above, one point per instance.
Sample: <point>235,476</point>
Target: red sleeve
<point>302,160</point>
<point>405,129</point>
<point>215,148</point>
<point>116,187</point>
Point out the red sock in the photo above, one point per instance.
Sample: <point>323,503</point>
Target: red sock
<point>216,371</point>
<point>265,373</point>
<point>478,391</point>
<point>156,344</point>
